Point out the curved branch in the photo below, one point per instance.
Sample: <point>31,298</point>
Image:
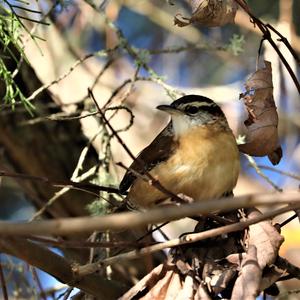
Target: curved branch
<point>264,28</point>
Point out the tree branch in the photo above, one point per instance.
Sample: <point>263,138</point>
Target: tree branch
<point>284,264</point>
<point>120,221</point>
<point>59,268</point>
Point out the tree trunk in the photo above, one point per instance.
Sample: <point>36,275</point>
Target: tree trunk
<point>49,149</point>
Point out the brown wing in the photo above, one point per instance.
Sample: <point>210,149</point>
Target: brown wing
<point>159,150</point>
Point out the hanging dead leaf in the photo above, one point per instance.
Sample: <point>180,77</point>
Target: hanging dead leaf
<point>265,238</point>
<point>210,13</point>
<point>262,122</point>
<point>257,272</point>
<point>248,282</point>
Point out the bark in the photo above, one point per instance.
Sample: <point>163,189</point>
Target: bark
<point>49,149</point>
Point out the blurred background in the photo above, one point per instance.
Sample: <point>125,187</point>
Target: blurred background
<point>140,60</point>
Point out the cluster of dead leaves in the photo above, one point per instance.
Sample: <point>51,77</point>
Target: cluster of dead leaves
<point>262,122</point>
<point>166,283</point>
<point>234,266</point>
<point>263,243</point>
<point>209,13</point>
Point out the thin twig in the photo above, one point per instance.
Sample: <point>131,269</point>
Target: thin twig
<point>173,93</point>
<point>297,177</point>
<point>38,283</point>
<point>85,187</point>
<point>147,234</point>
<point>92,238</point>
<point>140,61</point>
<point>284,264</point>
<point>118,89</point>
<point>261,174</point>
<point>85,244</point>
<point>96,80</point>
<point>68,293</point>
<point>102,53</point>
<point>61,116</point>
<point>50,292</point>
<point>286,43</point>
<point>3,283</point>
<point>131,86</point>
<point>105,67</point>
<point>288,220</point>
<point>63,191</point>
<point>179,49</point>
<point>64,116</point>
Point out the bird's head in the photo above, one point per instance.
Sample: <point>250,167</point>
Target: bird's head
<point>194,110</point>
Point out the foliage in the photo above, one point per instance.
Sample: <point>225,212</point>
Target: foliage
<point>11,33</point>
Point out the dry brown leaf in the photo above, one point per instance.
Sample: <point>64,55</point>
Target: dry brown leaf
<point>187,291</point>
<point>182,266</point>
<point>236,258</point>
<point>270,277</point>
<point>174,287</point>
<point>209,268</point>
<point>159,290</point>
<point>248,282</point>
<point>263,242</point>
<point>163,283</point>
<point>262,122</point>
<point>201,293</point>
<point>218,276</point>
<point>210,13</point>
<point>265,238</point>
<point>147,281</point>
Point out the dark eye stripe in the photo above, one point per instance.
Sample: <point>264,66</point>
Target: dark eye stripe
<point>190,109</point>
<point>214,110</point>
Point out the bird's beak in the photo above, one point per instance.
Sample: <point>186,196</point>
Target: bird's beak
<point>167,108</point>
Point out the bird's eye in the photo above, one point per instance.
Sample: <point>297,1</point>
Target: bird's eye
<point>191,109</point>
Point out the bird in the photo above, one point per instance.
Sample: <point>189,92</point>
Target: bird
<point>196,155</point>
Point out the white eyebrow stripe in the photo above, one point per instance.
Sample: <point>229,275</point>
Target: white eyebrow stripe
<point>199,104</point>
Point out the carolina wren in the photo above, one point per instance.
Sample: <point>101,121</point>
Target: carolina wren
<point>195,154</point>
